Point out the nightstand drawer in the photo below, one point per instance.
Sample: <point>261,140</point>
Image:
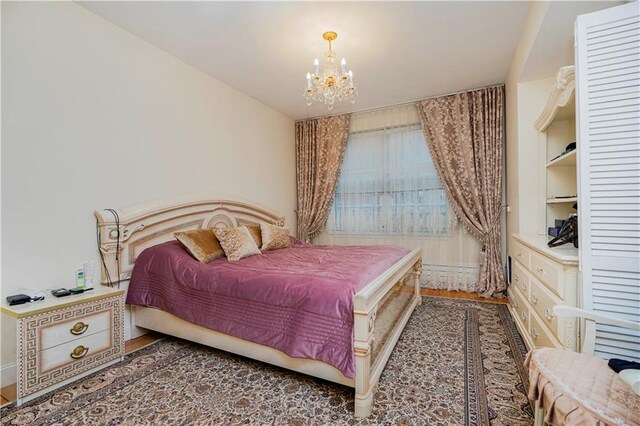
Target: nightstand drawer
<point>521,253</point>
<point>547,271</point>
<point>521,279</point>
<point>44,362</point>
<point>76,351</point>
<point>73,329</point>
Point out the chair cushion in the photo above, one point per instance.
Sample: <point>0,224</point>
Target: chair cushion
<point>578,389</point>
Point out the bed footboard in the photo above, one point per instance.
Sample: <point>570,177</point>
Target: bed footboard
<point>381,310</point>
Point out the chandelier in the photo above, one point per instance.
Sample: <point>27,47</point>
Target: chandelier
<point>333,83</point>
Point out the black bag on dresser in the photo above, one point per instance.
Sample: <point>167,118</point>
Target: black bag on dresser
<point>568,233</point>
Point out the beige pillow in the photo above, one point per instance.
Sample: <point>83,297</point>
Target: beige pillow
<point>274,237</point>
<point>237,243</point>
<point>256,234</point>
<point>201,243</point>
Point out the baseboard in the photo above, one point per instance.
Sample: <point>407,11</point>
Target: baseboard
<point>8,374</point>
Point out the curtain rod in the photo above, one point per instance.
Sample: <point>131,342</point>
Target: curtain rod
<point>405,103</point>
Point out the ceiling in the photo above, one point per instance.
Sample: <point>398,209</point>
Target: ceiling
<point>553,46</point>
<point>398,51</point>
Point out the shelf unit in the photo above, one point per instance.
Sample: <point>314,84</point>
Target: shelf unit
<point>571,200</point>
<point>544,276</point>
<point>557,127</point>
<point>568,159</point>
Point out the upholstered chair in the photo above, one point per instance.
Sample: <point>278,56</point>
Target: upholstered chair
<point>572,388</point>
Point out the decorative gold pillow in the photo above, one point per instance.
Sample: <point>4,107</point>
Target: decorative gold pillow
<point>274,237</point>
<point>256,234</point>
<point>237,243</point>
<point>201,243</point>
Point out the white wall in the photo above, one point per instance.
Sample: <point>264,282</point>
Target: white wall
<point>94,117</point>
<point>532,98</point>
<point>522,166</point>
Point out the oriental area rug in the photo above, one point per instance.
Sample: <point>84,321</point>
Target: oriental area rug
<point>457,363</point>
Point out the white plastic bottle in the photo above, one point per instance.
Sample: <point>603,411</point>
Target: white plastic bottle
<point>80,277</point>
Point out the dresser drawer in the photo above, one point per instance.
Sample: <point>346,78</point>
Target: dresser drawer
<point>519,306</point>
<point>75,351</point>
<point>74,328</point>
<point>542,302</point>
<point>547,271</point>
<point>521,253</point>
<point>540,335</point>
<point>521,279</point>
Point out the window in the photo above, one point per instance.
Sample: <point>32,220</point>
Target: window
<point>389,186</point>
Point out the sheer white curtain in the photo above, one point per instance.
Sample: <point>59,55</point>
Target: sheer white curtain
<point>389,193</point>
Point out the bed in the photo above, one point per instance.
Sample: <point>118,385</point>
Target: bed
<point>309,308</point>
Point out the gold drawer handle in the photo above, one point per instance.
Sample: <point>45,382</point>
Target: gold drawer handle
<point>524,285</point>
<point>548,314</point>
<point>534,298</point>
<point>523,314</point>
<point>79,328</point>
<point>79,352</point>
<point>515,303</point>
<point>534,333</point>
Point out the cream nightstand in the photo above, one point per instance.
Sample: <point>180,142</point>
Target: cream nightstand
<point>59,340</point>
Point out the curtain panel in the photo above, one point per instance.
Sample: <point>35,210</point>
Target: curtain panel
<point>320,145</point>
<point>464,133</point>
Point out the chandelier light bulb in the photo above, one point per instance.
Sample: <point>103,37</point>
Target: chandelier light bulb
<point>333,83</point>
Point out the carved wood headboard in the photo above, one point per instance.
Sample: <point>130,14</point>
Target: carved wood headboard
<point>152,223</point>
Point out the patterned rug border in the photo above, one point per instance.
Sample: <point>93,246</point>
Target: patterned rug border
<point>476,408</point>
<point>515,341</point>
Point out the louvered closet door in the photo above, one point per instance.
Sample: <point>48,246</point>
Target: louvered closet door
<point>608,96</point>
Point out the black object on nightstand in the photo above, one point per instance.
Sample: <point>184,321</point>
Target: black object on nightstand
<point>60,292</point>
<point>18,299</point>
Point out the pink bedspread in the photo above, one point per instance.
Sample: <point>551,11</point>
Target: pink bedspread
<point>296,300</point>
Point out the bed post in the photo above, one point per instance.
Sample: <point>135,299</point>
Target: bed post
<point>109,237</point>
<point>365,309</point>
<point>417,274</point>
<point>363,340</point>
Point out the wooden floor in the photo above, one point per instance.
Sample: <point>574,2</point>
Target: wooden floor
<point>8,393</point>
<point>461,295</point>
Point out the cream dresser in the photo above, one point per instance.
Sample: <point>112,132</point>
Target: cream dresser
<point>540,278</point>
<point>59,340</point>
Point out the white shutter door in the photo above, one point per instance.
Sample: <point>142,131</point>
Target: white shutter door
<point>608,99</point>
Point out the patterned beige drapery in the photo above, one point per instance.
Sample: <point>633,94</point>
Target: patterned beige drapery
<point>464,133</point>
<point>320,145</point>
